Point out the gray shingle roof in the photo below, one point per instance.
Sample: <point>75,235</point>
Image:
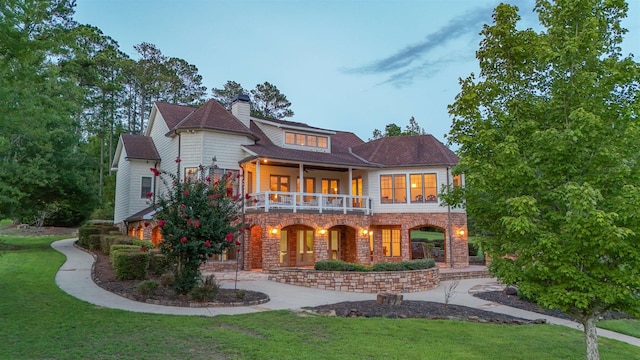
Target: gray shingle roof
<point>139,147</point>
<point>406,151</point>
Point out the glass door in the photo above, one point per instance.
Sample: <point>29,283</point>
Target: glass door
<point>284,248</point>
<point>305,248</point>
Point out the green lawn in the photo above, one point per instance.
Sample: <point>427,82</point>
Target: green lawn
<point>40,321</point>
<point>629,327</point>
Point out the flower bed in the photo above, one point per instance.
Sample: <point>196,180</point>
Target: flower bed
<point>365,282</point>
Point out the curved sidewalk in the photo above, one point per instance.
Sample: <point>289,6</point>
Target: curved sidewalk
<point>74,277</point>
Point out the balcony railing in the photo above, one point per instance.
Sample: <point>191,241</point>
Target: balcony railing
<point>308,202</point>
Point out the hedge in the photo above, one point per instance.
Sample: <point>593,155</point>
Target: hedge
<point>338,265</point>
<point>120,247</point>
<point>84,232</point>
<point>130,265</point>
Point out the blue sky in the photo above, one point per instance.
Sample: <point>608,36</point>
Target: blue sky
<point>344,65</point>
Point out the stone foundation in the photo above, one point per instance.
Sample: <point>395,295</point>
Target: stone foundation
<point>364,282</point>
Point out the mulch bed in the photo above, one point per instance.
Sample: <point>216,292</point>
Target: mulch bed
<point>418,309</point>
<point>104,276</point>
<point>515,301</point>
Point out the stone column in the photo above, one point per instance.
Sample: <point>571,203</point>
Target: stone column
<point>321,246</point>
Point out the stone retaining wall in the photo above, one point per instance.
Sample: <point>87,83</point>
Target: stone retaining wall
<point>461,275</point>
<point>365,282</point>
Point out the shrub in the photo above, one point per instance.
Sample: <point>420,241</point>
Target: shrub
<point>339,265</point>
<point>207,291</point>
<point>85,231</point>
<point>93,241</point>
<point>147,287</point>
<point>167,280</point>
<point>109,240</point>
<point>115,248</point>
<point>418,264</point>
<point>158,262</point>
<point>388,266</point>
<point>131,265</point>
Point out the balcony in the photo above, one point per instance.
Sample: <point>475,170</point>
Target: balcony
<point>308,202</point>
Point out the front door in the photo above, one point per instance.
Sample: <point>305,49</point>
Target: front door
<point>305,248</point>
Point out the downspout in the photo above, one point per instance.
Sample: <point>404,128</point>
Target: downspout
<point>242,245</point>
<point>449,230</point>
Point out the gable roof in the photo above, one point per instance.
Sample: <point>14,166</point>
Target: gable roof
<point>139,147</point>
<point>210,116</point>
<point>406,151</point>
<point>172,113</point>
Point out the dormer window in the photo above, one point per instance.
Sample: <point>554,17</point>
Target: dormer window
<point>315,142</point>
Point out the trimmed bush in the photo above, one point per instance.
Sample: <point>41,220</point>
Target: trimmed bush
<point>92,229</point>
<point>388,266</point>
<point>147,287</point>
<point>119,247</point>
<point>109,240</point>
<point>93,242</point>
<point>158,262</point>
<point>418,264</point>
<point>339,265</point>
<point>130,265</point>
<point>85,231</point>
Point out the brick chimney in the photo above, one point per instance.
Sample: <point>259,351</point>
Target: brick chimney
<point>241,108</point>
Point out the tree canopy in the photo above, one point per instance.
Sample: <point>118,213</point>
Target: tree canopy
<point>548,139</point>
<point>394,130</point>
<point>66,92</point>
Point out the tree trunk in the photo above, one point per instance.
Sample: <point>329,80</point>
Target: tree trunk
<point>591,338</point>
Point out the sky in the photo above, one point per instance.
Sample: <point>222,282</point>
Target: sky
<point>344,65</point>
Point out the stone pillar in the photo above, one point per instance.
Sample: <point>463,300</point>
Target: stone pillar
<point>362,248</point>
<point>270,250</point>
<point>321,246</point>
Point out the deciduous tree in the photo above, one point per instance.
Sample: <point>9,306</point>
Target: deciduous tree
<point>549,142</point>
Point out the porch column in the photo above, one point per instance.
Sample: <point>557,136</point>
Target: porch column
<point>350,183</point>
<point>258,176</point>
<point>301,185</point>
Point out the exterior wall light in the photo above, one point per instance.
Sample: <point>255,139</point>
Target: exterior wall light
<point>322,231</point>
<point>461,232</point>
<point>365,232</point>
<point>274,231</point>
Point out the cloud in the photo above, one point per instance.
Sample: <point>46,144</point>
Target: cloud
<point>403,61</point>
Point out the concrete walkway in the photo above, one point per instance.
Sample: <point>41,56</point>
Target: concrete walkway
<point>74,277</point>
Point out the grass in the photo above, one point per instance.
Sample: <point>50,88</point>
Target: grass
<point>428,235</point>
<point>628,327</point>
<point>38,320</point>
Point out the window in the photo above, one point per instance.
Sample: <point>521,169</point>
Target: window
<point>330,186</point>
<point>356,190</point>
<point>423,188</point>
<point>279,183</point>
<point>391,242</point>
<point>250,187</point>
<point>313,141</point>
<point>190,173</point>
<point>309,187</point>
<point>393,188</point>
<point>145,187</point>
<point>457,180</point>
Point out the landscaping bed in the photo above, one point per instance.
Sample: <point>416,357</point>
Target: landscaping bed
<point>104,276</point>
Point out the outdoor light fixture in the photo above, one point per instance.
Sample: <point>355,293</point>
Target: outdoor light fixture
<point>365,232</point>
<point>322,231</point>
<point>461,232</point>
<point>274,231</point>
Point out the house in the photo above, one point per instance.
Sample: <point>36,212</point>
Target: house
<point>319,193</point>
